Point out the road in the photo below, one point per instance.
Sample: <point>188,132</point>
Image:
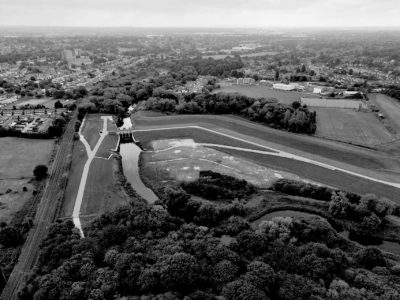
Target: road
<point>91,155</point>
<point>343,166</point>
<point>46,214</point>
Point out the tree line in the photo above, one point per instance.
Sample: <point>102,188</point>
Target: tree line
<point>294,118</point>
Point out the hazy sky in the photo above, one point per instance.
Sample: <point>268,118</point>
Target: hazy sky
<point>201,13</point>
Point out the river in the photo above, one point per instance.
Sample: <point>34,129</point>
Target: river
<point>130,153</point>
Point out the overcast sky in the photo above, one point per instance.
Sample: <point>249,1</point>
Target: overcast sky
<point>201,13</point>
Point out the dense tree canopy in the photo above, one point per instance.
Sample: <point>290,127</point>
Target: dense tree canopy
<point>173,249</point>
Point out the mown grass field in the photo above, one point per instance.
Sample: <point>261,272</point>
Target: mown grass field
<point>351,126</point>
<point>79,158</point>
<point>199,136</point>
<point>109,143</point>
<point>249,130</point>
<point>305,170</point>
<point>18,158</point>
<point>102,192</point>
<point>389,107</point>
<point>258,91</point>
<point>91,129</point>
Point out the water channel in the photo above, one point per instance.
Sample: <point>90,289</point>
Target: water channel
<point>130,153</point>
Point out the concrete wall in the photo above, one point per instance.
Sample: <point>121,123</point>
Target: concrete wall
<point>334,103</point>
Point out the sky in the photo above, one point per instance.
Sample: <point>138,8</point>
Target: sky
<point>201,13</point>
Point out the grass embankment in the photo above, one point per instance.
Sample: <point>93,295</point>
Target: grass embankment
<point>325,176</point>
<point>286,141</point>
<point>198,135</point>
<point>79,158</point>
<point>109,144</point>
<point>91,129</point>
<point>101,192</point>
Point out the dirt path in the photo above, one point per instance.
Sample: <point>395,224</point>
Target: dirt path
<point>91,155</point>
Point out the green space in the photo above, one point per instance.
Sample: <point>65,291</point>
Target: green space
<point>351,126</point>
<point>103,192</point>
<point>19,156</point>
<point>347,154</point>
<point>109,144</point>
<point>198,135</point>
<point>261,91</point>
<point>91,129</point>
<point>79,158</point>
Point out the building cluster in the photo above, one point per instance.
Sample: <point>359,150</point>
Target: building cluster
<point>27,123</point>
<point>75,57</point>
<point>245,81</point>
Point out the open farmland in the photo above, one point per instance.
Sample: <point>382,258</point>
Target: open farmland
<point>258,91</point>
<point>19,156</point>
<point>350,126</point>
<point>390,108</point>
<point>17,160</point>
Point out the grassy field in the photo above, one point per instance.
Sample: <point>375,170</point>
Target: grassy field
<point>258,91</point>
<point>19,156</point>
<point>315,173</point>
<point>102,192</point>
<point>351,126</point>
<point>109,143</point>
<point>182,160</point>
<point>249,130</point>
<point>79,158</point>
<point>17,160</point>
<point>199,136</point>
<point>390,108</point>
<point>91,129</point>
<point>304,170</point>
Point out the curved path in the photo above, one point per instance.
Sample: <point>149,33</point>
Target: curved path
<point>91,155</point>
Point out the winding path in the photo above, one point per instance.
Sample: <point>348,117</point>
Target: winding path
<point>91,155</point>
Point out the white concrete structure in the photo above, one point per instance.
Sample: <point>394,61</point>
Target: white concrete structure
<point>350,93</point>
<point>284,87</point>
<point>317,90</point>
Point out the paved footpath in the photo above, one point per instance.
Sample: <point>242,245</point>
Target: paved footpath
<point>91,155</point>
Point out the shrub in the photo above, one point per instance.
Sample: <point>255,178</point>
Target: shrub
<point>40,172</point>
